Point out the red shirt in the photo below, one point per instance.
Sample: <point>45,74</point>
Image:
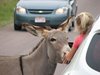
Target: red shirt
<point>78,40</point>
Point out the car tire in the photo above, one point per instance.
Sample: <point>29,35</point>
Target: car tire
<point>16,27</point>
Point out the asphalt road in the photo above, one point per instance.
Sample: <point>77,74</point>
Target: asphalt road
<point>91,6</point>
<point>16,42</point>
<point>21,42</point>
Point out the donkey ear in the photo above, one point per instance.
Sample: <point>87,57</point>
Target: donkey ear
<point>64,25</point>
<point>35,30</point>
<point>30,29</point>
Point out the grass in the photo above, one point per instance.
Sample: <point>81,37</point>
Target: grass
<point>6,11</point>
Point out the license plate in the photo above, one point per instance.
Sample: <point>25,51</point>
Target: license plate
<point>40,19</point>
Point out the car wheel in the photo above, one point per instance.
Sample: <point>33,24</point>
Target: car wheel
<point>16,27</point>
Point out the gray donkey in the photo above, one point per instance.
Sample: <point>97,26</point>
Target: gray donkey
<point>49,52</point>
<point>44,57</point>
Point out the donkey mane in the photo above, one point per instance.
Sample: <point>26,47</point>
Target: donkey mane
<point>36,46</point>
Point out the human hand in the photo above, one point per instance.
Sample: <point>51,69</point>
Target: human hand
<point>67,58</point>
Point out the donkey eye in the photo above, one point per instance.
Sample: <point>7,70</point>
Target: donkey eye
<point>52,39</point>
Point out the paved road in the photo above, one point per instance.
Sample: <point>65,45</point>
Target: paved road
<point>16,42</point>
<point>21,42</point>
<point>91,6</point>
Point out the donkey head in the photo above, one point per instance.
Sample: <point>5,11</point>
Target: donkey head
<point>56,39</point>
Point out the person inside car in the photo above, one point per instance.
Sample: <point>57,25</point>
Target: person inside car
<point>84,22</point>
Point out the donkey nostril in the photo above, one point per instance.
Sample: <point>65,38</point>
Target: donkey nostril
<point>64,53</point>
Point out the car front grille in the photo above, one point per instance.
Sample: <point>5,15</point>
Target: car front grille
<point>33,11</point>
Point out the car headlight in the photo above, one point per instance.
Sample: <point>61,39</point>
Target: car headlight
<point>20,10</point>
<point>61,10</point>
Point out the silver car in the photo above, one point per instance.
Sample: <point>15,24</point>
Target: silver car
<point>86,60</point>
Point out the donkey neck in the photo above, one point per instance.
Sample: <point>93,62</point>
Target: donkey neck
<point>42,55</point>
<point>43,51</point>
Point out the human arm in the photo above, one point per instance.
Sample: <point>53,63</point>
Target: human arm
<point>69,56</point>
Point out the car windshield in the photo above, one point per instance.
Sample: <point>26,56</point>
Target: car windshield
<point>93,53</point>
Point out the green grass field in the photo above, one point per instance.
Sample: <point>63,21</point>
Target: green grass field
<point>6,11</point>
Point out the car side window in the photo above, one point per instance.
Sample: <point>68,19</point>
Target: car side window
<point>93,53</point>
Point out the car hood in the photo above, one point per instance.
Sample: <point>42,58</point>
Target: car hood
<point>42,4</point>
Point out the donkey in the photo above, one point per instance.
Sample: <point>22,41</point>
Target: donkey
<point>43,60</point>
